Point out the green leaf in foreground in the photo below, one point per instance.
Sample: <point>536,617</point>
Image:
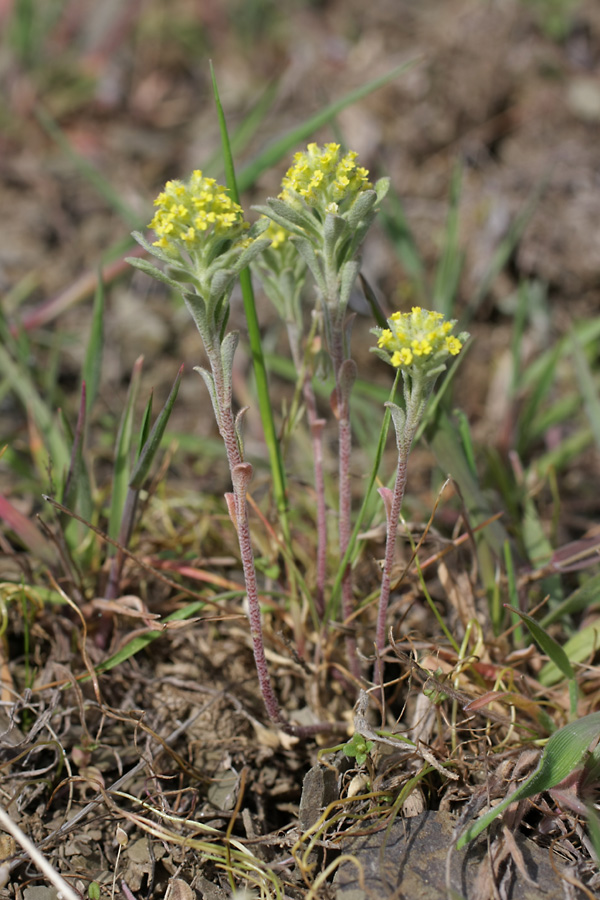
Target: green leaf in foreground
<point>556,653</point>
<point>142,640</point>
<point>547,644</point>
<point>565,751</point>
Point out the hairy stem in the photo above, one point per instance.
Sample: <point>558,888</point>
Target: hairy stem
<point>241,473</point>
<point>416,396</point>
<point>316,426</point>
<point>342,396</point>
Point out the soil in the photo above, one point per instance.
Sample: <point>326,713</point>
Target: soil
<point>122,780</point>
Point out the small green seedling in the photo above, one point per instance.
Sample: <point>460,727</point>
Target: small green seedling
<point>358,748</point>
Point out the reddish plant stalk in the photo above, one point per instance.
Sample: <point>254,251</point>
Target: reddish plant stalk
<point>316,426</point>
<point>345,372</point>
<point>415,402</point>
<point>392,511</point>
<point>241,473</point>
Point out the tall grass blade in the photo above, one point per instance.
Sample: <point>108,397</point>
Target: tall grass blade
<point>122,454</point>
<point>587,386</point>
<point>351,550</point>
<point>513,596</point>
<point>276,151</point>
<point>516,340</point>
<point>452,460</point>
<point>396,225</point>
<point>506,248</point>
<point>152,443</point>
<point>77,492</point>
<point>449,268</point>
<point>593,824</point>
<point>92,364</point>
<point>25,389</point>
<point>547,643</point>
<point>104,188</point>
<point>243,134</point>
<point>260,372</point>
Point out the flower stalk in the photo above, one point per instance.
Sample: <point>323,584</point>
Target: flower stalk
<point>326,206</point>
<point>283,274</point>
<point>418,343</point>
<point>204,242</point>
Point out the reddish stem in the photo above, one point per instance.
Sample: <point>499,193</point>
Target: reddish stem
<point>241,473</point>
<point>345,491</point>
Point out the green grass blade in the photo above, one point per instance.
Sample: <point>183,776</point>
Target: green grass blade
<point>513,594</point>
<point>506,248</point>
<point>581,646</point>
<point>565,751</point>
<point>333,601</point>
<point>260,372</point>
<point>451,458</point>
<point>151,445</point>
<point>243,134</point>
<point>558,655</point>
<point>104,188</point>
<point>537,545</point>
<point>593,823</point>
<point>142,640</point>
<point>516,341</point>
<point>77,493</point>
<point>566,451</point>
<point>122,453</point>
<point>92,364</point>
<point>276,151</point>
<point>588,389</point>
<point>145,426</point>
<point>396,225</point>
<point>547,643</point>
<point>464,431</point>
<point>582,598</point>
<point>448,271</point>
<point>25,389</point>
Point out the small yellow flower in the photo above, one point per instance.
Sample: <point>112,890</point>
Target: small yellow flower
<point>453,345</point>
<point>323,179</point>
<point>190,213</point>
<point>417,338</point>
<point>276,234</point>
<point>402,357</point>
<point>385,338</point>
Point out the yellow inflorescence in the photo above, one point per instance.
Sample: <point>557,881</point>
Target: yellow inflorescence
<point>189,213</point>
<point>277,234</point>
<point>416,335</point>
<point>323,179</point>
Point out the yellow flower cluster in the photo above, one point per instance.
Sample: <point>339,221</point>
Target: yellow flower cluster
<point>190,213</point>
<point>276,233</point>
<point>323,179</point>
<point>418,334</point>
